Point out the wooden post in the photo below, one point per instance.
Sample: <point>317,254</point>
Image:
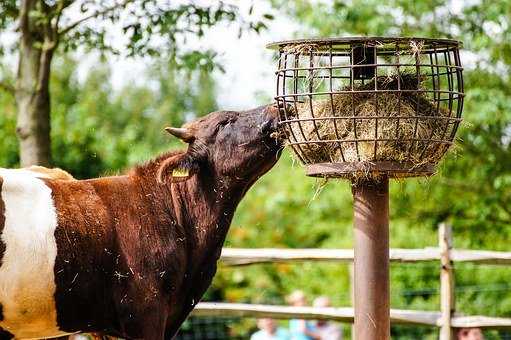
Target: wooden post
<point>447,300</point>
<point>372,292</point>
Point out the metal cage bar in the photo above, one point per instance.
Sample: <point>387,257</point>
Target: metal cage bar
<point>336,129</point>
<point>362,95</point>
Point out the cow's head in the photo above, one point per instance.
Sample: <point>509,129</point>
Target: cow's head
<point>232,146</point>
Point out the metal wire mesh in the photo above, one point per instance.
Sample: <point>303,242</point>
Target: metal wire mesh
<point>390,104</point>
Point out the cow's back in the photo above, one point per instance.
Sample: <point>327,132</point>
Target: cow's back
<point>28,254</point>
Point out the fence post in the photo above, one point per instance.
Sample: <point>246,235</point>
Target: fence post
<point>447,300</point>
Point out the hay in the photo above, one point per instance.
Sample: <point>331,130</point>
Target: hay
<point>384,105</point>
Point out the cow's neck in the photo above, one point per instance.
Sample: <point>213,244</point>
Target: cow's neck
<point>203,206</point>
<point>206,206</point>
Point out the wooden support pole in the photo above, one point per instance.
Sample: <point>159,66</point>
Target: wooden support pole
<point>372,293</point>
<point>447,300</point>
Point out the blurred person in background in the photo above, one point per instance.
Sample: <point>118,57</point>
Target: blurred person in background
<point>470,334</point>
<point>268,330</point>
<point>300,329</point>
<point>326,330</point>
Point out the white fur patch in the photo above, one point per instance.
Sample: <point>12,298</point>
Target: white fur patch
<point>27,281</point>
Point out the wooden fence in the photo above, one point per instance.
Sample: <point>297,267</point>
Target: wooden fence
<point>446,319</point>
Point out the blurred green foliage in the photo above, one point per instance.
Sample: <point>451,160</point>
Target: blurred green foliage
<point>472,190</point>
<point>97,130</point>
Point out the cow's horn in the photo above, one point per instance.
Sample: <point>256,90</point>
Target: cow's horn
<point>182,133</point>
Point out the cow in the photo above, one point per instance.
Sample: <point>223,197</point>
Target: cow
<point>128,256</point>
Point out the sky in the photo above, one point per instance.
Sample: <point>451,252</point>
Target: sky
<point>249,66</point>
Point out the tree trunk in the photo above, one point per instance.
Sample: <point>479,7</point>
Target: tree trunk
<point>32,94</point>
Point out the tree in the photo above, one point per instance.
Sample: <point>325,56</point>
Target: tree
<point>42,26</point>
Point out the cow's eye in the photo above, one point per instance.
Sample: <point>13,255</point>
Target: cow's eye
<point>225,123</point>
<point>220,126</point>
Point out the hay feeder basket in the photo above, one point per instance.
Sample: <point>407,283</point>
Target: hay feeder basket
<point>368,106</point>
<point>370,109</point>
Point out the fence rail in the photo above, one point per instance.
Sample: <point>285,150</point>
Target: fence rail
<point>446,319</point>
<point>240,256</point>
<point>343,314</point>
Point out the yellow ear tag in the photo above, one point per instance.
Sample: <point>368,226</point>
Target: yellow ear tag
<point>180,172</point>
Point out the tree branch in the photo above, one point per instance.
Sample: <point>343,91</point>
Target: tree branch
<point>94,15</point>
<point>58,13</point>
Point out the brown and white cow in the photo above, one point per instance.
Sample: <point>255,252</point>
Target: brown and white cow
<point>130,255</point>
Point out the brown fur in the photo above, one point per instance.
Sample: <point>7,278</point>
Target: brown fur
<point>146,241</point>
<point>134,254</point>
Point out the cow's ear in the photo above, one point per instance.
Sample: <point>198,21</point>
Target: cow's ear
<point>177,168</point>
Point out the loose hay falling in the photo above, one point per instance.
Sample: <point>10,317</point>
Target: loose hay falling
<point>406,125</point>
